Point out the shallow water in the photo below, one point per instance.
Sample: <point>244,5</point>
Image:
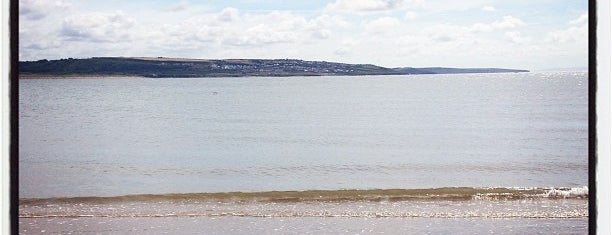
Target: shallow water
<point>108,137</point>
<point>313,225</point>
<point>258,214</point>
<point>440,208</point>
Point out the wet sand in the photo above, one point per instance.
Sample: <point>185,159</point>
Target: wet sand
<point>195,216</point>
<point>303,225</point>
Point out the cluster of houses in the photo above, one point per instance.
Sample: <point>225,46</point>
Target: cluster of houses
<point>279,66</point>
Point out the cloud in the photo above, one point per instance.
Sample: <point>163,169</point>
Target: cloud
<point>481,27</point>
<point>260,34</point>
<point>180,6</point>
<point>515,37</point>
<point>488,8</point>
<point>39,44</point>
<point>507,22</point>
<point>444,33</point>
<point>570,35</point>
<point>322,33</point>
<point>383,24</point>
<point>228,15</point>
<point>38,9</point>
<point>322,26</point>
<point>207,33</point>
<point>449,39</point>
<point>581,20</point>
<point>98,27</point>
<point>280,27</point>
<point>364,5</point>
<point>411,15</point>
<point>576,33</point>
<point>346,47</point>
<point>342,51</point>
<point>230,27</point>
<point>329,21</point>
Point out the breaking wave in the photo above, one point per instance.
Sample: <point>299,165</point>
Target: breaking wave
<point>447,193</point>
<point>455,202</point>
<point>578,192</point>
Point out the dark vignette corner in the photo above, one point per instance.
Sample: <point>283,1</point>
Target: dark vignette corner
<point>13,116</point>
<point>592,116</point>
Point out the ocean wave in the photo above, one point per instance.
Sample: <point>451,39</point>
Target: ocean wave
<point>577,192</point>
<point>451,202</point>
<point>446,193</point>
<point>399,203</point>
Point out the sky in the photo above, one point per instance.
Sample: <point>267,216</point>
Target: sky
<point>534,34</point>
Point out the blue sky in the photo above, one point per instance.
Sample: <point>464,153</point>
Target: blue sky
<point>537,34</point>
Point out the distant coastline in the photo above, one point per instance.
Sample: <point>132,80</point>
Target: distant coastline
<point>75,76</point>
<point>162,67</point>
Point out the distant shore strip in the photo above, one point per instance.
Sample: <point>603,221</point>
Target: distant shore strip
<point>75,76</point>
<point>196,68</point>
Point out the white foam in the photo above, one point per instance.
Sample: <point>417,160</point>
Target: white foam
<point>577,192</point>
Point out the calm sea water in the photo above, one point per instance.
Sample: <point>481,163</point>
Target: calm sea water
<point>106,137</point>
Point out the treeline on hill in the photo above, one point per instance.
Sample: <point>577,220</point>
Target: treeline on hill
<point>106,66</point>
<point>169,67</point>
<point>160,67</point>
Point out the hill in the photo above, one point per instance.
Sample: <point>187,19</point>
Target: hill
<point>173,67</point>
<point>441,70</point>
<point>166,67</point>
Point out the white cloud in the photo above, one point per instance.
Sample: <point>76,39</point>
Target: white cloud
<point>570,35</point>
<point>342,51</point>
<point>260,34</point>
<point>488,8</point>
<point>383,24</point>
<point>448,41</point>
<point>581,20</point>
<point>329,21</point>
<point>207,33</point>
<point>507,22</point>
<point>444,33</point>
<point>322,33</point>
<point>515,37</point>
<point>347,47</point>
<point>228,15</point>
<point>180,6</point>
<point>481,27</point>
<point>411,15</point>
<point>38,9</point>
<point>230,27</point>
<point>40,44</point>
<point>321,27</point>
<point>364,5</point>
<point>372,6</point>
<point>576,33</point>
<point>284,21</point>
<point>98,27</point>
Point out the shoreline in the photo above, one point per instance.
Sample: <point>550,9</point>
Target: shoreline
<point>375,195</point>
<point>300,225</point>
<point>74,76</point>
<point>423,208</point>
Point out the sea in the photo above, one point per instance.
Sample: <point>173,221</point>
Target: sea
<point>503,153</point>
